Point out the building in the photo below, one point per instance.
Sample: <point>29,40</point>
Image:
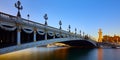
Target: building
<point>100,35</point>
<point>111,39</point>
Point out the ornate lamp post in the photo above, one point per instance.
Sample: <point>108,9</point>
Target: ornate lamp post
<point>28,16</point>
<point>19,7</point>
<point>80,33</point>
<point>60,23</point>
<point>75,31</point>
<point>69,28</point>
<point>46,18</point>
<point>83,34</point>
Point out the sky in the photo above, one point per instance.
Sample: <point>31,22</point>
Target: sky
<point>85,15</point>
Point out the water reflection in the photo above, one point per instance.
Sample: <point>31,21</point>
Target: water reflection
<point>76,53</point>
<point>36,54</point>
<point>47,54</point>
<point>72,53</point>
<point>100,54</point>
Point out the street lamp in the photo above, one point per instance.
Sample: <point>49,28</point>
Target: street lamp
<point>46,18</point>
<point>75,31</point>
<point>19,7</point>
<point>83,34</point>
<point>80,33</point>
<point>28,16</point>
<point>69,27</point>
<point>60,23</point>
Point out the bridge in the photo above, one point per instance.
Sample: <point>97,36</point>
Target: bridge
<point>17,33</point>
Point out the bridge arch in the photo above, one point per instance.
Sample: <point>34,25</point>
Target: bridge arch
<point>80,43</point>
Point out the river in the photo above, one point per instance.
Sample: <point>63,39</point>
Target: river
<point>64,53</point>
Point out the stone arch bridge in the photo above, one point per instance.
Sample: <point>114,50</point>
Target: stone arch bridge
<point>18,33</point>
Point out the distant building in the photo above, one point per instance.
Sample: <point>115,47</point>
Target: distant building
<point>100,35</point>
<point>111,39</point>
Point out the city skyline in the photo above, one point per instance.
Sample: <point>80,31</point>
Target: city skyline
<point>87,16</point>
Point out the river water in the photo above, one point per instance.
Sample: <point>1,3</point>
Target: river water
<point>64,53</point>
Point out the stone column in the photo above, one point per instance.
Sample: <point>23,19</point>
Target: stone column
<point>60,34</point>
<point>45,35</point>
<point>45,32</point>
<point>34,38</point>
<point>54,35</point>
<point>18,25</point>
<point>18,36</point>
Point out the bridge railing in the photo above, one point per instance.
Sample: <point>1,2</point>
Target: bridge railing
<point>13,19</point>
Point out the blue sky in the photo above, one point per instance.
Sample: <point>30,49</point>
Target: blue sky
<point>85,15</point>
